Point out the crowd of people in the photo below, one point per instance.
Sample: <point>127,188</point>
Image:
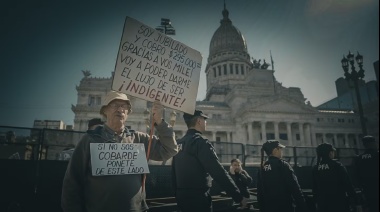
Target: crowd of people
<point>195,165</point>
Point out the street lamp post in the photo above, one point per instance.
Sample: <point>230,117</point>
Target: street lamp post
<point>355,76</point>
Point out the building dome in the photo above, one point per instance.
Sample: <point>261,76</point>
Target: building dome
<point>227,37</point>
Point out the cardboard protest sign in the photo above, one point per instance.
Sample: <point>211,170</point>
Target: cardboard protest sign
<point>118,159</point>
<point>153,66</point>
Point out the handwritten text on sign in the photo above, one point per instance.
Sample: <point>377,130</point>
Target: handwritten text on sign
<point>153,66</point>
<point>118,159</point>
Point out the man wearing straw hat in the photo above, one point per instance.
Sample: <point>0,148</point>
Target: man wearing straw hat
<point>84,192</point>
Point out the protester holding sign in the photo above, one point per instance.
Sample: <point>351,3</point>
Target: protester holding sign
<point>114,187</point>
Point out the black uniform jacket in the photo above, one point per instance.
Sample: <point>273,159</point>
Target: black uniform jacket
<point>242,181</point>
<point>331,185</point>
<point>367,173</point>
<point>277,187</point>
<point>195,162</point>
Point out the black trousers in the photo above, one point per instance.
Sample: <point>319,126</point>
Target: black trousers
<point>373,204</point>
<point>189,200</point>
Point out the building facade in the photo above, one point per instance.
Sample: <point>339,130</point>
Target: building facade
<point>49,124</point>
<point>245,102</point>
<point>347,100</point>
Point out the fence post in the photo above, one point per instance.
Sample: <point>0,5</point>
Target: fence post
<point>243,154</point>
<point>337,153</point>
<point>295,156</point>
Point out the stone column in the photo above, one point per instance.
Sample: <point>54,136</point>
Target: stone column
<point>82,125</point>
<point>213,136</point>
<point>263,131</point>
<point>336,142</point>
<point>289,132</point>
<point>228,136</point>
<point>346,144</point>
<point>324,138</point>
<point>250,132</point>
<point>313,135</point>
<point>358,141</point>
<point>276,134</point>
<point>76,125</point>
<point>307,136</point>
<point>302,137</point>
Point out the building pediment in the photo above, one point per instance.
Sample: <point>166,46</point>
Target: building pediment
<point>278,104</point>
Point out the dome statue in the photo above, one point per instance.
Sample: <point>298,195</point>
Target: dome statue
<point>227,37</point>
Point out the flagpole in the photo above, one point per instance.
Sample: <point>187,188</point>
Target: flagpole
<point>274,81</point>
<point>271,60</point>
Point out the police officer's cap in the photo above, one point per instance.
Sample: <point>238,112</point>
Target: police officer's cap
<point>269,145</point>
<point>325,148</point>
<point>94,121</point>
<point>368,139</point>
<point>188,117</point>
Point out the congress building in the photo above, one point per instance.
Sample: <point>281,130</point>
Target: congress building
<point>245,102</point>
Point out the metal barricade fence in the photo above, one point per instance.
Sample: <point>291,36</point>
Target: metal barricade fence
<point>227,151</point>
<point>253,155</point>
<point>59,144</point>
<point>35,161</point>
<point>304,156</point>
<point>33,167</point>
<point>345,155</point>
<point>52,144</point>
<point>37,144</point>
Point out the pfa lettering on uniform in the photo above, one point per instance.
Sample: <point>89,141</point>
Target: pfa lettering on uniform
<point>267,167</point>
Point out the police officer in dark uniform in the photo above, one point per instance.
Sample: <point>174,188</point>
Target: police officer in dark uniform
<point>367,172</point>
<point>277,186</point>
<point>193,167</point>
<point>331,183</point>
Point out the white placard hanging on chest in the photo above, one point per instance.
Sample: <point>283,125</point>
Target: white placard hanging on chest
<point>118,159</point>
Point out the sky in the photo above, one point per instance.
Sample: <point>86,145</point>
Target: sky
<point>46,44</point>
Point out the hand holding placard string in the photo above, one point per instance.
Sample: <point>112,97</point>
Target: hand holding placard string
<point>148,152</point>
<point>156,118</point>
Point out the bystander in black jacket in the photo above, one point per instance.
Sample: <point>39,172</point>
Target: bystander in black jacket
<point>332,188</point>
<point>278,187</point>
<point>367,173</point>
<point>242,181</point>
<point>191,170</point>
